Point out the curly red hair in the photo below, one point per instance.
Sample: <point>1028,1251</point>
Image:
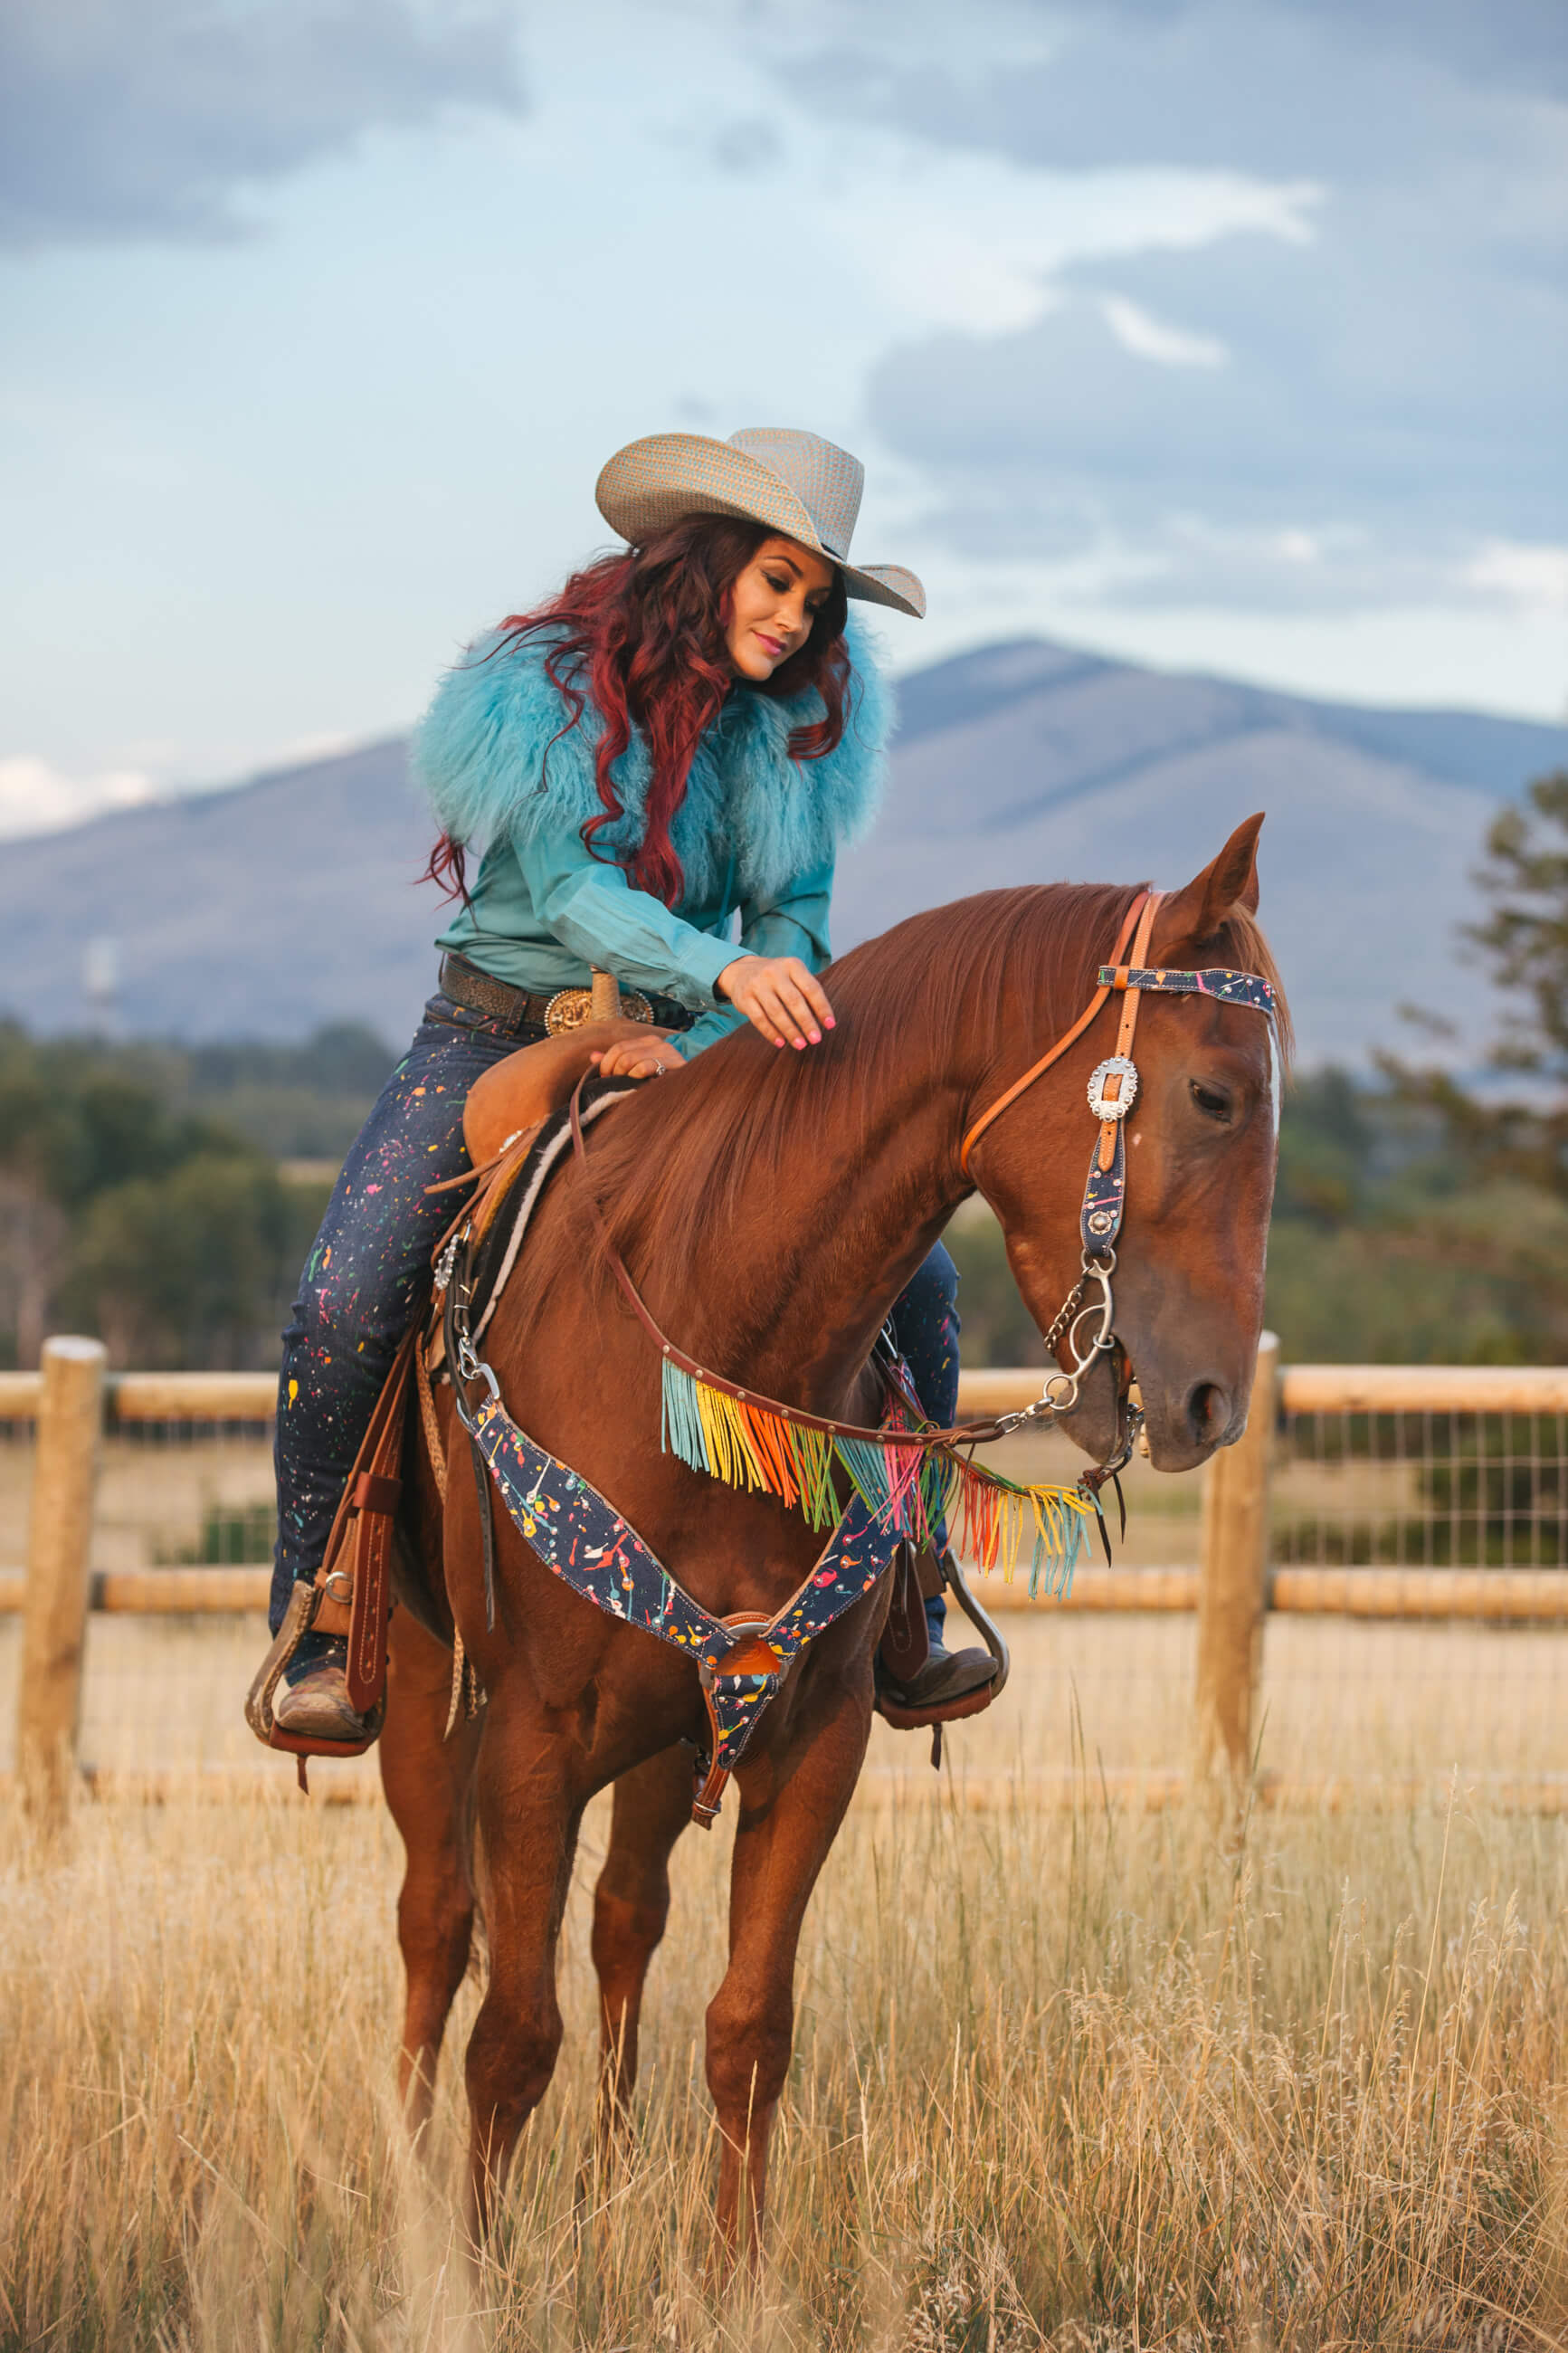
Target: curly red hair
<point>641,637</point>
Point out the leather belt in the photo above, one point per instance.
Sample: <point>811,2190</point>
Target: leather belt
<point>527,1008</point>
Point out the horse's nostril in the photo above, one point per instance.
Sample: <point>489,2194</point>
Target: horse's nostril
<point>1209,1411</point>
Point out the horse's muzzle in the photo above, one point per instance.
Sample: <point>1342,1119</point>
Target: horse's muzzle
<point>1211,1411</point>
<point>1185,1430</point>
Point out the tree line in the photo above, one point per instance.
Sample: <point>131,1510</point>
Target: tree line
<point>146,1194</point>
<point>149,1193</point>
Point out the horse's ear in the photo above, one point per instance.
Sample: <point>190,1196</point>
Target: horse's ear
<point>1204,908</point>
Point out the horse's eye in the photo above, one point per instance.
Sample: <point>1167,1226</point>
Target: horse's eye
<point>1213,1102</point>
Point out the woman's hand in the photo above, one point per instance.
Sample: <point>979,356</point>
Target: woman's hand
<point>630,1057</point>
<point>780,997</point>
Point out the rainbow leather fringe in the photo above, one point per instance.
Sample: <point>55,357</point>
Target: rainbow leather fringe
<point>912,1489</point>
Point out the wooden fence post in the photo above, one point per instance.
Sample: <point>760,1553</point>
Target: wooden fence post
<point>1232,1577</point>
<point>54,1615</point>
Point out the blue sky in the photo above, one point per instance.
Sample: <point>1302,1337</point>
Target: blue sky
<point>1224,333</point>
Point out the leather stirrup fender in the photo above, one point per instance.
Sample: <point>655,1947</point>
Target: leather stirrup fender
<point>351,1593</point>
<point>353,1584</point>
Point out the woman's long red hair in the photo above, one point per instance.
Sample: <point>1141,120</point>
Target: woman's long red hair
<point>641,637</point>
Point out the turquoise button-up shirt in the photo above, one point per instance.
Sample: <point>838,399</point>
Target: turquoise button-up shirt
<point>544,911</point>
<point>505,763</point>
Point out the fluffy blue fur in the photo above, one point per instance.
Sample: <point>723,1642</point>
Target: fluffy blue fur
<point>479,753</point>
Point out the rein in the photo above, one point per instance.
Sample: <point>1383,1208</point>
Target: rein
<point>905,1470</point>
<point>1112,1090</point>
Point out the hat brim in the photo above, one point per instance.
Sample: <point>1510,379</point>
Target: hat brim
<point>658,480</point>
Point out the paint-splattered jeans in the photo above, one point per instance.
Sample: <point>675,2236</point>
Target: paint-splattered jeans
<point>367,1267</point>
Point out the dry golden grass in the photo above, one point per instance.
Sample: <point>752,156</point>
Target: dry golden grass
<point>1069,2078</point>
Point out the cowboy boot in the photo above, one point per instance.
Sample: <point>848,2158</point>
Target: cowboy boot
<point>313,1701</point>
<point>946,1676</point>
<point>941,1676</point>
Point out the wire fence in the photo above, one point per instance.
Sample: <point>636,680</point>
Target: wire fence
<point>1421,1491</point>
<point>1417,1593</point>
<point>1440,1534</point>
<point>161,1690</point>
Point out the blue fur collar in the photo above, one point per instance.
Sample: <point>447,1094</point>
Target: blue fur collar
<point>479,753</point>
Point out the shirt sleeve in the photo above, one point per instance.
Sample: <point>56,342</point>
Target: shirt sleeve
<point>591,907</point>
<point>793,923</point>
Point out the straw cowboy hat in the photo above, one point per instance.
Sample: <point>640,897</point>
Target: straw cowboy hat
<point>800,485</point>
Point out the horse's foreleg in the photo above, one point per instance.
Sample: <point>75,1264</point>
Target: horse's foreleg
<point>631,1904</point>
<point>793,1805</point>
<point>528,1817</point>
<point>427,1778</point>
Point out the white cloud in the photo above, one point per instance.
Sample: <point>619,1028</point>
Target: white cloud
<point>36,798</point>
<point>322,743</point>
<point>1136,330</point>
<point>973,243</point>
<point>121,121</point>
<point>1356,408</point>
<point>1525,574</point>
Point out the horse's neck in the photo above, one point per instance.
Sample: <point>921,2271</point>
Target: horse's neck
<point>821,1249</point>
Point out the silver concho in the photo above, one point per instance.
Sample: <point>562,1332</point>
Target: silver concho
<point>1101,1221</point>
<point>1115,1106</point>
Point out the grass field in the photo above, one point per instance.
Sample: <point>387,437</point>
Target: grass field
<point>1077,2077</point>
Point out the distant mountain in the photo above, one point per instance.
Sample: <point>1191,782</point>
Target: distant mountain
<point>1031,761</point>
<point>259,912</point>
<point>290,901</point>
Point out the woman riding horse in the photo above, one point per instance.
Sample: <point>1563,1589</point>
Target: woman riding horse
<point>684,736</point>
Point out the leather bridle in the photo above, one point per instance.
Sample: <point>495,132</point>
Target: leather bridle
<point>1112,1090</point>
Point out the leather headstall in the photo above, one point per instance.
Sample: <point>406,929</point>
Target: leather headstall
<point>1113,1084</point>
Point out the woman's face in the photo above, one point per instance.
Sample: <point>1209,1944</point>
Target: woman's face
<point>773,605</point>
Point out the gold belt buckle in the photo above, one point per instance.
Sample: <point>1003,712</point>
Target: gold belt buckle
<point>569,1008</point>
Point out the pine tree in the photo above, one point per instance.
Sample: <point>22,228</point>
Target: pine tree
<point>1500,1130</point>
<point>1524,939</point>
<point>1525,935</point>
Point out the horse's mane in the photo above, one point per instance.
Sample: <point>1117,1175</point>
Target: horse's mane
<point>669,1181</point>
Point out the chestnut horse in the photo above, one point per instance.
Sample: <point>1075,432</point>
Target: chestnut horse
<point>771,1206</point>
